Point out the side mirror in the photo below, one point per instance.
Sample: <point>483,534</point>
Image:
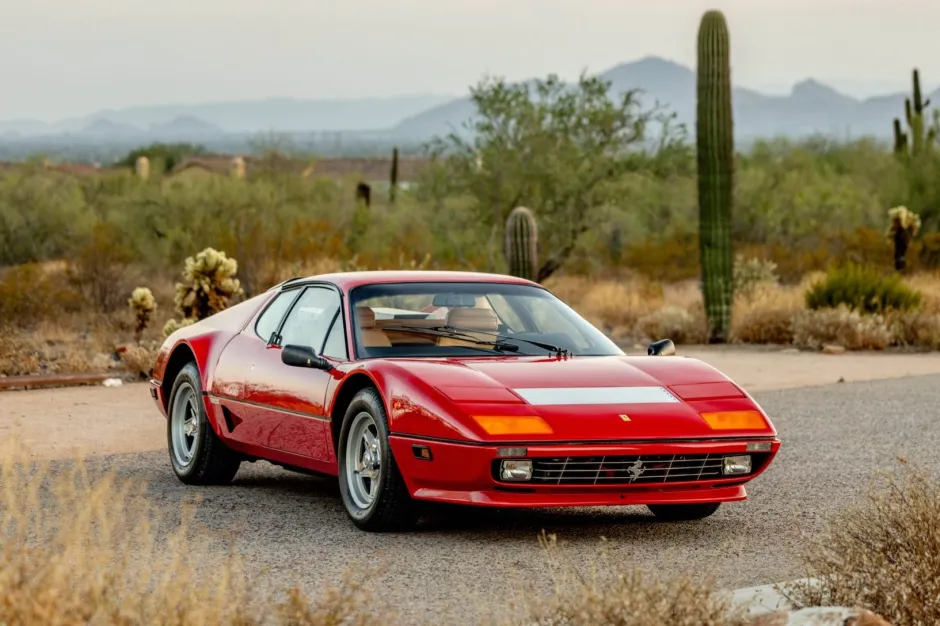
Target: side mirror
<point>303,356</point>
<point>663,347</point>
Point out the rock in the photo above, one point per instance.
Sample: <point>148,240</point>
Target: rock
<point>112,382</point>
<point>821,616</point>
<point>831,348</point>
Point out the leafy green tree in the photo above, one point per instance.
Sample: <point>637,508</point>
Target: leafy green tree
<point>557,148</point>
<point>169,154</point>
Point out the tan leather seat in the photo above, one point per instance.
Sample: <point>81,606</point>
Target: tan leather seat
<point>372,337</point>
<point>476,319</point>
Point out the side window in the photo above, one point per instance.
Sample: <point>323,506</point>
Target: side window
<point>335,345</point>
<point>272,316</point>
<point>310,317</point>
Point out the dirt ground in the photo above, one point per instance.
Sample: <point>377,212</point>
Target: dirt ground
<point>98,420</point>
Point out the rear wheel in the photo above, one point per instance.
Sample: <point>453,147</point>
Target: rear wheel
<point>370,483</point>
<point>197,455</point>
<point>683,512</point>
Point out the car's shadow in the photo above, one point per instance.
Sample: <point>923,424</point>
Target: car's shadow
<point>263,495</point>
<point>453,518</point>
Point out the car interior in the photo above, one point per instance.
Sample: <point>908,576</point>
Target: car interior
<point>468,312</point>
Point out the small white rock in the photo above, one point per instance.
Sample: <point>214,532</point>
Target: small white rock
<point>112,382</point>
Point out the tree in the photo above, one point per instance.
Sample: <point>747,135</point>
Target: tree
<point>169,154</point>
<point>554,147</point>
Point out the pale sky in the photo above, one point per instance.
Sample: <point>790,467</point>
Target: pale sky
<point>72,57</point>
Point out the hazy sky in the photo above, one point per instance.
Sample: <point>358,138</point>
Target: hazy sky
<point>70,57</point>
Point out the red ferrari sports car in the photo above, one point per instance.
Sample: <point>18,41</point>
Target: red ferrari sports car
<point>452,387</point>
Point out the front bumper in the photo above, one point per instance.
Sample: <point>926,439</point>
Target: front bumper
<point>464,473</point>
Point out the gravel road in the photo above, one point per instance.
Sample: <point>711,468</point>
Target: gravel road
<point>462,569</point>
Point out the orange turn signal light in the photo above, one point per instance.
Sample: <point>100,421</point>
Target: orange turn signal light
<point>735,420</point>
<point>513,425</point>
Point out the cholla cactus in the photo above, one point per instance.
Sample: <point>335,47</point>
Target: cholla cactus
<point>903,225</point>
<point>208,284</point>
<point>142,167</point>
<point>172,326</point>
<point>143,305</point>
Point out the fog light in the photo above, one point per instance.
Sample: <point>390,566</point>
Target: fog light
<point>759,446</point>
<point>515,469</point>
<point>734,465</point>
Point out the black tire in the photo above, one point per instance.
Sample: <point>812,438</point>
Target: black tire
<point>392,507</point>
<point>683,512</point>
<point>212,462</point>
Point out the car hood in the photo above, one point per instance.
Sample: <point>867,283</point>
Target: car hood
<point>592,398</point>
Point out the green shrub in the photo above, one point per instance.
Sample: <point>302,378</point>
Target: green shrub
<point>862,288</point>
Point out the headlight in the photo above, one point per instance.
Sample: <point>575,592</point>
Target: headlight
<point>515,469</point>
<point>735,465</point>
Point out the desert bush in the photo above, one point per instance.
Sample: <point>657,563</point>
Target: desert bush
<point>672,322</point>
<point>138,360</point>
<point>82,547</point>
<point>143,305</point>
<point>614,306</point>
<point>98,267</point>
<point>862,288</point>
<point>882,553</point>
<point>749,272</point>
<point>917,329</point>
<point>208,284</point>
<point>766,315</point>
<point>610,595</point>
<point>28,294</point>
<point>840,326</point>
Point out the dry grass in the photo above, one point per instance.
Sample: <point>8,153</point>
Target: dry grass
<point>883,554</point>
<point>611,595</point>
<point>765,315</point>
<point>629,308</point>
<point>84,549</point>
<point>849,329</point>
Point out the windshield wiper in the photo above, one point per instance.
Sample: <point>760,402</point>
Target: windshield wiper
<point>501,338</point>
<point>440,331</point>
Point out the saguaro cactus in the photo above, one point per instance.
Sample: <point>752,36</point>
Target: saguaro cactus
<point>522,243</point>
<point>918,138</point>
<point>394,177</point>
<point>715,148</point>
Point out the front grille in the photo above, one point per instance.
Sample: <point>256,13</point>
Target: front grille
<point>634,470</point>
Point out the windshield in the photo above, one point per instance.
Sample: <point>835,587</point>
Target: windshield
<point>469,319</point>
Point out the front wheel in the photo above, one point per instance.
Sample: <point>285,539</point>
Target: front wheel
<point>683,512</point>
<point>197,454</point>
<point>371,486</point>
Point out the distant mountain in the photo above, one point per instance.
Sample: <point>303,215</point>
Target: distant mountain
<point>272,114</point>
<point>185,126</point>
<point>105,127</point>
<point>810,107</point>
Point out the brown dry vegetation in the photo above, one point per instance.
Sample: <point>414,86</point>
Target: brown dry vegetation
<point>46,328</point>
<point>610,594</point>
<point>883,554</point>
<point>79,548</point>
